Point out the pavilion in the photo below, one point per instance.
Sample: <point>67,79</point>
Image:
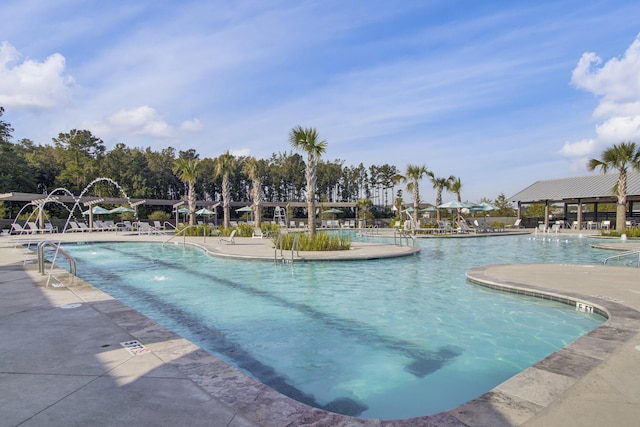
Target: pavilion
<point>584,193</point>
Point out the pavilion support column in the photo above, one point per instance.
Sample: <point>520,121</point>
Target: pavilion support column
<point>579,214</point>
<point>519,210</point>
<point>546,215</point>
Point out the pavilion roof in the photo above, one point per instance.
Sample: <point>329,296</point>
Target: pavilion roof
<point>590,188</point>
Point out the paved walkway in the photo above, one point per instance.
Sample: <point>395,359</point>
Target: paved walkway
<point>62,361</point>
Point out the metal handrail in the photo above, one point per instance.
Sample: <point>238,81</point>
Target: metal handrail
<point>73,265</point>
<point>184,240</point>
<point>623,254</point>
<point>295,247</point>
<point>398,235</point>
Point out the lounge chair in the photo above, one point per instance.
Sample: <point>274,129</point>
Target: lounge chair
<point>73,226</point>
<point>464,227</point>
<point>18,229</point>
<point>257,233</point>
<point>146,228</point>
<point>50,227</point>
<point>444,227</point>
<point>516,224</point>
<point>229,239</point>
<point>124,226</point>
<point>158,225</point>
<point>34,228</point>
<point>605,225</point>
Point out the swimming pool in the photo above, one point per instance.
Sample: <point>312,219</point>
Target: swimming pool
<point>383,339</point>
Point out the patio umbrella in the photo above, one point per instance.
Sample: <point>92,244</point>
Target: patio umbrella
<point>97,210</point>
<point>121,209</point>
<point>183,211</point>
<point>246,209</point>
<point>454,204</point>
<point>484,206</point>
<point>332,211</point>
<point>204,211</point>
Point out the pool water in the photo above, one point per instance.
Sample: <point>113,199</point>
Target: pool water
<point>384,339</point>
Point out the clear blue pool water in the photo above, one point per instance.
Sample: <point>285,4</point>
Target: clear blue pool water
<point>382,339</point>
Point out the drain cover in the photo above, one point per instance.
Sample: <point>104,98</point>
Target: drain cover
<point>74,305</point>
<point>135,347</point>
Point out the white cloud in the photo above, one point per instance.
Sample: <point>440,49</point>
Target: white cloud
<point>617,83</point>
<point>578,149</point>
<point>32,84</point>
<point>193,125</point>
<point>142,120</point>
<point>240,152</point>
<point>618,129</point>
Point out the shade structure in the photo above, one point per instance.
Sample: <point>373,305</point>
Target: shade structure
<point>245,209</point>
<point>121,209</point>
<point>332,211</point>
<point>205,211</point>
<point>484,206</point>
<point>97,210</point>
<point>183,211</point>
<point>454,204</point>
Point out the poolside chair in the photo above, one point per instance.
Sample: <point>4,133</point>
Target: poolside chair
<point>158,225</point>
<point>18,229</point>
<point>73,226</point>
<point>257,233</point>
<point>146,228</point>
<point>229,239</point>
<point>464,227</point>
<point>50,227</point>
<point>480,226</point>
<point>516,224</point>
<point>605,225</point>
<point>34,228</point>
<point>124,226</point>
<point>83,226</point>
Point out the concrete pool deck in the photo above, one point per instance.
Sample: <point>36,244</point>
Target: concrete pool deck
<point>63,364</point>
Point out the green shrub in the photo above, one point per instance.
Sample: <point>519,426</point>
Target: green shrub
<point>198,230</point>
<point>244,230</point>
<point>159,216</point>
<point>630,232</point>
<point>320,242</point>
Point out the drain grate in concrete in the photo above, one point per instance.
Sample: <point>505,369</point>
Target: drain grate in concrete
<point>135,347</point>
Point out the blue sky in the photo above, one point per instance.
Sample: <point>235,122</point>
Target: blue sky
<point>498,93</point>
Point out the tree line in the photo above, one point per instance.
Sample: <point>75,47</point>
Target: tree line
<point>75,158</point>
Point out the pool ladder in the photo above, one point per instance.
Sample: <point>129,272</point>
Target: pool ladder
<point>398,235</point>
<point>625,254</point>
<point>279,246</point>
<point>73,265</point>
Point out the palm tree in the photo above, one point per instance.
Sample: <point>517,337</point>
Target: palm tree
<point>413,176</point>
<point>188,171</point>
<point>456,188</point>
<point>224,168</point>
<point>306,139</point>
<point>252,169</point>
<point>619,157</point>
<point>440,184</point>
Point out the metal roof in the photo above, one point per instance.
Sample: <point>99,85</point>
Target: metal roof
<point>589,188</point>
